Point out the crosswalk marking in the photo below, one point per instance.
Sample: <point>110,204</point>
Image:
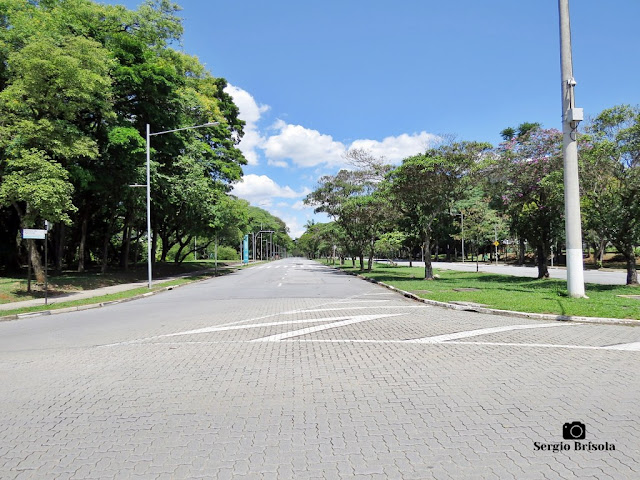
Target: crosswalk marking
<point>319,328</point>
<point>255,325</point>
<point>634,347</point>
<point>483,331</point>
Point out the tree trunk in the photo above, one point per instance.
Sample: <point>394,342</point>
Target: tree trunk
<point>361,258</point>
<point>164,251</point>
<point>105,251</point>
<point>83,242</point>
<point>437,251</point>
<point>543,271</point>
<point>632,272</point>
<point>36,261</point>
<point>559,257</point>
<point>521,252</point>
<point>154,246</point>
<point>428,269</point>
<point>58,244</point>
<point>126,244</point>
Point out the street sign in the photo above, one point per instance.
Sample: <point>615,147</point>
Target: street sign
<point>496,243</point>
<point>33,233</point>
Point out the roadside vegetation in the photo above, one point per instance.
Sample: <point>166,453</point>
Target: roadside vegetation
<point>504,292</point>
<point>465,198</point>
<point>79,83</point>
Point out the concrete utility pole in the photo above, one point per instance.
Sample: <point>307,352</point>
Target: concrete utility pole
<point>571,116</point>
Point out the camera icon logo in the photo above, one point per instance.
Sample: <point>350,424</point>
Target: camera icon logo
<point>574,431</point>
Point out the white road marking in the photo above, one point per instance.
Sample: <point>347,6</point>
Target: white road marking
<point>280,284</point>
<point>254,325</point>
<point>319,328</point>
<point>357,308</point>
<point>360,301</point>
<point>633,347</point>
<point>483,331</point>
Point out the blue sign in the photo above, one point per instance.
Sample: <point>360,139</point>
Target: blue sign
<point>245,249</point>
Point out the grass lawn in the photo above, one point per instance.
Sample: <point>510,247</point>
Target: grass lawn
<point>510,293</point>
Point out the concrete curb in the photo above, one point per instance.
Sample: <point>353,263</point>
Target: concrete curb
<point>503,313</point>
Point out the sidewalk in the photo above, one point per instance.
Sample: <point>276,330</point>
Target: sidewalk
<point>98,292</point>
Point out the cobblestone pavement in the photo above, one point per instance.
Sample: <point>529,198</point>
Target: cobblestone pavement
<point>292,370</point>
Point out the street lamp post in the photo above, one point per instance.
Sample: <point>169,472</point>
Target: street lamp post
<point>571,116</point>
<point>148,185</point>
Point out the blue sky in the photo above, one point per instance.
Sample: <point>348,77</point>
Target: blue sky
<point>313,79</point>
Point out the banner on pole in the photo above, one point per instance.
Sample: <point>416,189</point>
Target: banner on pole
<point>245,249</point>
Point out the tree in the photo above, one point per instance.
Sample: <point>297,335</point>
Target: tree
<point>355,201</point>
<point>426,185</point>
<point>613,205</point>
<point>528,175</point>
<point>390,243</point>
<point>39,190</point>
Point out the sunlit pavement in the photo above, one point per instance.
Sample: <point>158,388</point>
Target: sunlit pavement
<point>294,370</point>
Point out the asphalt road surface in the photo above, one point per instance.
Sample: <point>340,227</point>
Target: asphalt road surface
<point>293,370</point>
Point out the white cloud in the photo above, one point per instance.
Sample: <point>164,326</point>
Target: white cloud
<point>251,113</point>
<point>278,163</point>
<point>303,146</point>
<point>299,205</point>
<point>260,190</point>
<point>309,148</point>
<point>394,149</point>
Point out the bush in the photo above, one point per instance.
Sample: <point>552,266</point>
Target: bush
<point>226,253</point>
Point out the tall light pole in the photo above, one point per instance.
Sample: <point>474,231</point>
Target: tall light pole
<point>148,185</point>
<point>571,116</point>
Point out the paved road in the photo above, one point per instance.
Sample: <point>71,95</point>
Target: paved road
<point>603,277</point>
<point>293,370</point>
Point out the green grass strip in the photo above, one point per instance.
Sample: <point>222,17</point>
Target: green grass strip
<point>506,292</point>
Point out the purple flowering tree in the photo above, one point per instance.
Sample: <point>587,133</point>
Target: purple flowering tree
<point>529,172</point>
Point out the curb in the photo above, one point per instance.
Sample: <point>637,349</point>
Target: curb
<point>503,313</point>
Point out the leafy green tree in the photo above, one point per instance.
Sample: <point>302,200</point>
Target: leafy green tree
<point>613,198</point>
<point>38,189</point>
<point>528,174</point>
<point>391,243</point>
<point>425,186</point>
<point>356,202</point>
